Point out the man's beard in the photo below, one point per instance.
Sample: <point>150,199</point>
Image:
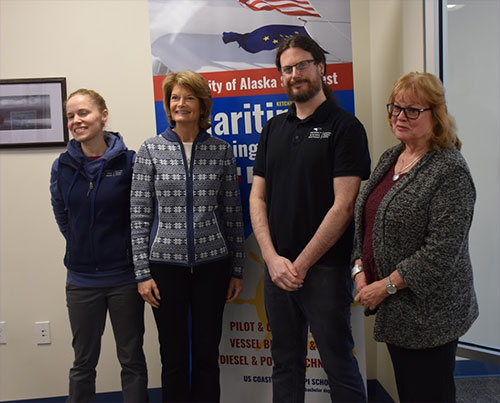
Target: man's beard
<point>305,94</point>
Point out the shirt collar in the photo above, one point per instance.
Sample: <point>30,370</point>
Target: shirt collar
<point>320,114</point>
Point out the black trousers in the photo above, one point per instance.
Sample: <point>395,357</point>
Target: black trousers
<point>202,293</point>
<point>425,375</point>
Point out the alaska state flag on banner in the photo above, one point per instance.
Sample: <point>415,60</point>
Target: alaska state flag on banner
<point>297,8</point>
<point>264,38</point>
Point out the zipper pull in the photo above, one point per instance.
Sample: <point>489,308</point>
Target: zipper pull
<point>91,186</point>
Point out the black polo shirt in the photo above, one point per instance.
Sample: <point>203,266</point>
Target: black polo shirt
<point>299,160</point>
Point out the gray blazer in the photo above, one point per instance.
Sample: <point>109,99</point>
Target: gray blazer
<point>421,229</point>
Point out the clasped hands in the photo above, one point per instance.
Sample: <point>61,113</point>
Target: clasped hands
<point>369,295</point>
<point>284,274</point>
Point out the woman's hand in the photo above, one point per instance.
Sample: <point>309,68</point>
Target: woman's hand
<point>149,292</point>
<point>360,281</point>
<point>370,296</point>
<point>234,290</point>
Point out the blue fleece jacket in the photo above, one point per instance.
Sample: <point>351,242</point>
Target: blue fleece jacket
<point>91,203</point>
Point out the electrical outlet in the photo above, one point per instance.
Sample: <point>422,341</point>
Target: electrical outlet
<point>3,333</point>
<point>42,332</point>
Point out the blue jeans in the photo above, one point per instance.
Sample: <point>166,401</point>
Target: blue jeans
<point>87,308</point>
<point>323,303</point>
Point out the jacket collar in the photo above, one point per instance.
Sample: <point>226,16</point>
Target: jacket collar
<point>170,135</point>
<point>114,141</point>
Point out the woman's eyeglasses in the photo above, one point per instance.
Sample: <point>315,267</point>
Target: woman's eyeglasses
<point>410,113</point>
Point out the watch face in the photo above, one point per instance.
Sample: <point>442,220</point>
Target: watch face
<point>391,289</point>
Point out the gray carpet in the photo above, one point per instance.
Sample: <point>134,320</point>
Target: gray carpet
<point>478,390</point>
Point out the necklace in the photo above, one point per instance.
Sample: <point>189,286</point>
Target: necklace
<point>396,176</point>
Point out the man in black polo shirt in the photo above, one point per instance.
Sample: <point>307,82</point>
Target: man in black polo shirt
<point>309,165</point>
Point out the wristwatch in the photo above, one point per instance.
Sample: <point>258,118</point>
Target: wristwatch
<point>389,287</point>
<point>356,270</point>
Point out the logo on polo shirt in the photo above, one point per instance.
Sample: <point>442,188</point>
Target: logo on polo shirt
<point>318,133</point>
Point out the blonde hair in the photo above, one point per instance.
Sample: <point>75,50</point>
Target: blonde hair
<point>429,90</point>
<point>93,95</point>
<point>195,83</point>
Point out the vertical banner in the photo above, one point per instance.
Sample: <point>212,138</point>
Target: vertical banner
<point>231,44</point>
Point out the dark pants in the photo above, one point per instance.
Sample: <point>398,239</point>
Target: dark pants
<point>425,375</point>
<point>324,304</point>
<point>87,308</point>
<point>203,295</point>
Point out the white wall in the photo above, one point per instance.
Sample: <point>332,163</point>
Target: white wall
<point>104,45</point>
<point>96,44</point>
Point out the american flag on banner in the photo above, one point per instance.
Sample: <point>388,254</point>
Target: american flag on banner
<point>288,7</point>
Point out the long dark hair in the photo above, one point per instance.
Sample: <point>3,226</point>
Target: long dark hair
<point>311,46</point>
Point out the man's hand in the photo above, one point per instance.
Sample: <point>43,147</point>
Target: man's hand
<point>284,274</point>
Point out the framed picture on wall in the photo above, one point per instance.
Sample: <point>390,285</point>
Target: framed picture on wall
<point>32,112</point>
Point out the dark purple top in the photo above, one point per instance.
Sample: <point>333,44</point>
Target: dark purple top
<point>371,207</point>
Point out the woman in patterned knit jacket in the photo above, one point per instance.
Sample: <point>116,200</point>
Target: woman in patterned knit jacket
<point>411,254</point>
<point>187,238</point>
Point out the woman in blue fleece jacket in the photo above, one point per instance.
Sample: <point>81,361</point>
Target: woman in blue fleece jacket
<point>90,195</point>
<point>187,238</point>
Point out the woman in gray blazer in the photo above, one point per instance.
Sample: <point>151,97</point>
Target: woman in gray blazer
<point>411,255</point>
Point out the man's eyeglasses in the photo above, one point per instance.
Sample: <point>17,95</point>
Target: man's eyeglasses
<point>300,66</point>
<point>410,113</point>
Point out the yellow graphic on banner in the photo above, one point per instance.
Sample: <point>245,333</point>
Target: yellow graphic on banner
<point>258,302</point>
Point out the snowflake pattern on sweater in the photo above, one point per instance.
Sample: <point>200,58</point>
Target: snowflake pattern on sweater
<point>185,215</point>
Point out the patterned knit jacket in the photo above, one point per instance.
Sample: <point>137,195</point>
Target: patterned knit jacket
<point>421,229</point>
<point>185,215</point>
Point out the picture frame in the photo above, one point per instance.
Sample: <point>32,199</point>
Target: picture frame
<point>32,112</point>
